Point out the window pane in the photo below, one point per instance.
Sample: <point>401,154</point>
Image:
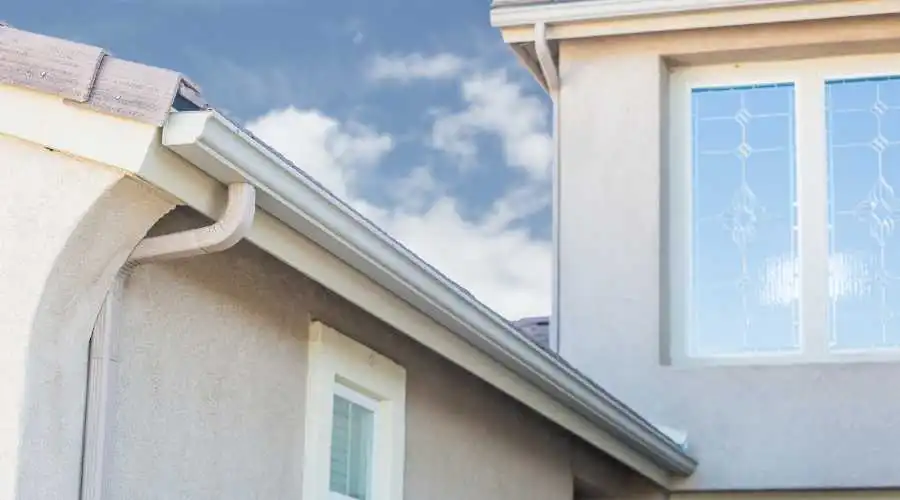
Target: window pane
<point>864,170</point>
<point>744,283</point>
<point>351,449</point>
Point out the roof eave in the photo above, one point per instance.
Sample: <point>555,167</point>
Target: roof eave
<point>593,18</point>
<point>228,153</point>
<point>517,13</point>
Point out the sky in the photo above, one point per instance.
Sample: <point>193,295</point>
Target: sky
<point>413,111</point>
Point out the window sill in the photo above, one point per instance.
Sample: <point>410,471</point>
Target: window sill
<point>887,355</point>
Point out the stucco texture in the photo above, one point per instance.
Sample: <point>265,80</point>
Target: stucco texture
<point>58,256</point>
<point>751,427</point>
<point>211,387</point>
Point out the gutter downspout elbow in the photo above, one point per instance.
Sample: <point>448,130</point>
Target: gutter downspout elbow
<point>222,235</point>
<point>232,226</point>
<point>545,58</point>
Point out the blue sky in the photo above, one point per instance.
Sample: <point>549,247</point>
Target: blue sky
<point>412,110</point>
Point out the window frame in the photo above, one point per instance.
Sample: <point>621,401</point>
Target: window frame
<point>338,365</point>
<point>809,78</point>
<point>357,398</point>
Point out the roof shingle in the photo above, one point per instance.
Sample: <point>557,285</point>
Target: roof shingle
<point>536,329</point>
<point>88,76</point>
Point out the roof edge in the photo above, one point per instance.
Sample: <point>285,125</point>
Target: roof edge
<point>225,151</point>
<point>648,16</point>
<point>517,12</point>
<point>85,75</point>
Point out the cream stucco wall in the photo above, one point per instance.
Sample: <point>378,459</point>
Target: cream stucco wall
<point>58,256</point>
<point>210,389</point>
<point>760,427</point>
<point>211,384</point>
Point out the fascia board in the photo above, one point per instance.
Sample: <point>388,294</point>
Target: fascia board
<point>648,16</point>
<point>227,153</point>
<point>512,14</point>
<point>75,130</point>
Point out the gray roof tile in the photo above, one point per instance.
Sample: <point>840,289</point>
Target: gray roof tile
<point>87,76</point>
<point>537,329</point>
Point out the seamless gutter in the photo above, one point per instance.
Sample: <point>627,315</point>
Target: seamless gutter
<point>227,152</point>
<point>516,13</point>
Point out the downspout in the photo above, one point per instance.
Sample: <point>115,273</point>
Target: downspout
<point>231,227</point>
<point>550,71</point>
<point>545,59</point>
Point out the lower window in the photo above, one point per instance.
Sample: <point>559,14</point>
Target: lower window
<point>352,432</point>
<point>355,430</point>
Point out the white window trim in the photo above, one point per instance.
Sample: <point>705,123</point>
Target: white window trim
<point>343,391</point>
<point>808,77</point>
<point>336,362</point>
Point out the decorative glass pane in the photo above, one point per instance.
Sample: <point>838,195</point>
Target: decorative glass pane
<point>864,171</point>
<point>351,449</point>
<point>744,272</point>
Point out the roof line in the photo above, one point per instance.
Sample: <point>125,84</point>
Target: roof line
<point>223,149</point>
<point>507,13</point>
<point>84,75</point>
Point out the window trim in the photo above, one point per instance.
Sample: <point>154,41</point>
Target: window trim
<point>336,362</point>
<point>354,397</point>
<point>808,77</point>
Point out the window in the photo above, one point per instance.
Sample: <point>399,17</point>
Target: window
<point>355,421</point>
<point>352,427</point>
<point>784,195</point>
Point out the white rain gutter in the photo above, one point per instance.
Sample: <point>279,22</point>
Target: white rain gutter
<point>232,226</point>
<point>516,13</point>
<point>223,150</point>
<point>550,72</point>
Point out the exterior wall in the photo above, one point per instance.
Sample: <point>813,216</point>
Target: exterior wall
<point>66,226</point>
<point>211,384</point>
<point>751,427</point>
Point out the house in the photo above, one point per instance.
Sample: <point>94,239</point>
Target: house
<point>187,315</point>
<point>736,277</point>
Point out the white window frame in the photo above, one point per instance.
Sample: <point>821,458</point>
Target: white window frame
<point>808,77</point>
<point>342,366</point>
<point>362,400</point>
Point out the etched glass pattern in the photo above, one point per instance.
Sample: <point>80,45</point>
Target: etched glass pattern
<point>744,273</point>
<point>863,117</point>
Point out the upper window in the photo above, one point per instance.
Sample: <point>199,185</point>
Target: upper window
<point>355,421</point>
<point>784,196</point>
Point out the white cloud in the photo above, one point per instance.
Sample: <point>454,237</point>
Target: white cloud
<point>504,267</point>
<point>491,255</point>
<point>327,150</point>
<point>497,106</point>
<point>414,191</point>
<point>409,67</point>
